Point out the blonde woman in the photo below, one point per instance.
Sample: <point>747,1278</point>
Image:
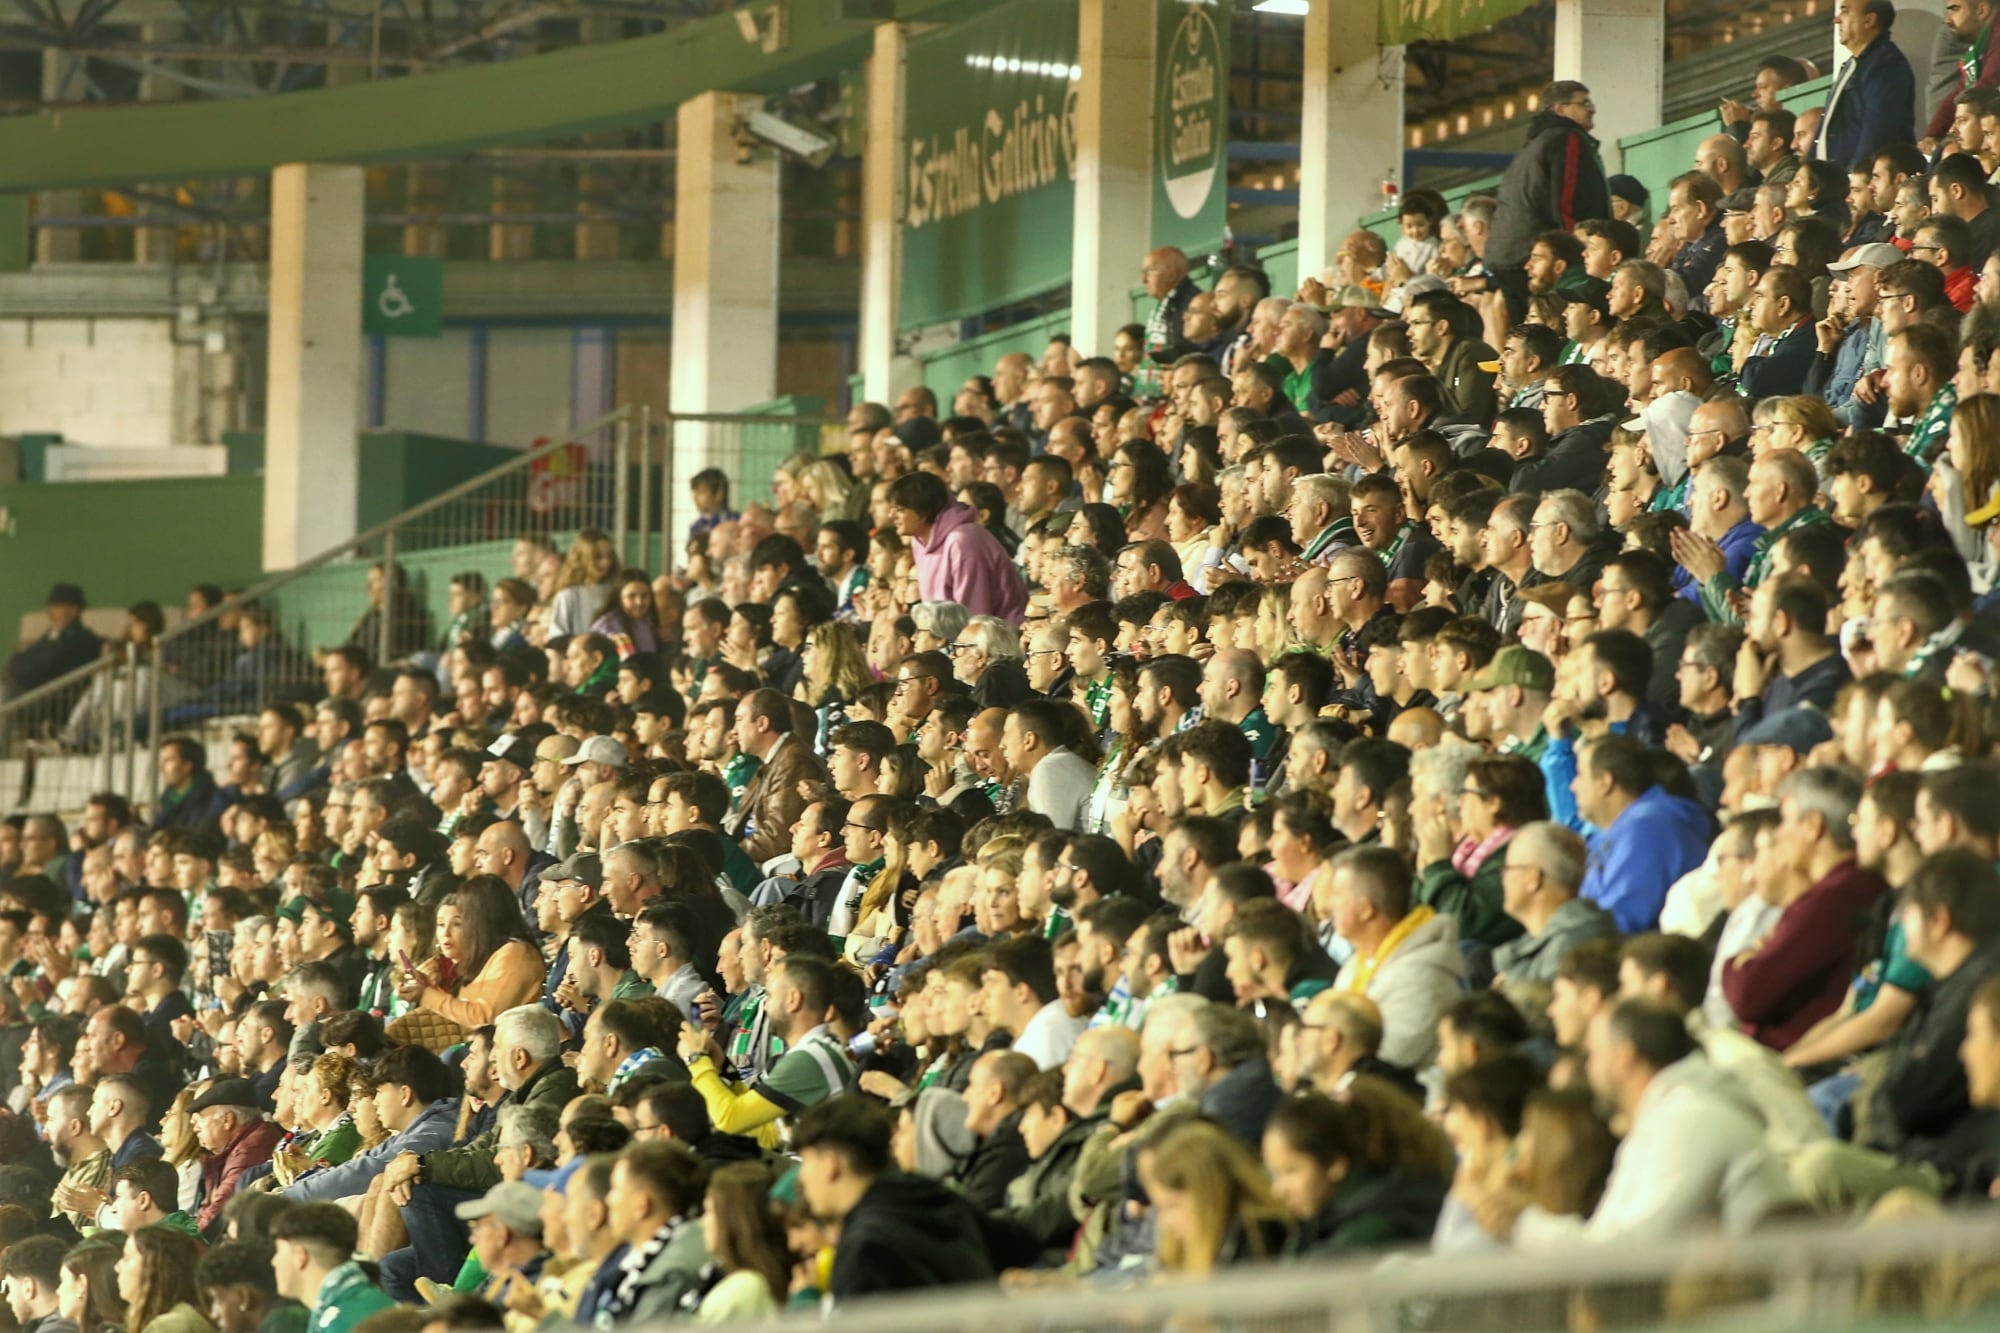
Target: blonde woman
<point>1211,1200</point>
<point>825,487</point>
<point>181,1148</point>
<point>584,584</point>
<point>1803,422</point>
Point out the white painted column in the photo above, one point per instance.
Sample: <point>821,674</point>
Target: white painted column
<point>1351,139</point>
<point>884,373</point>
<point>312,449</point>
<point>1114,165</point>
<point>1619,49</point>
<point>725,338</point>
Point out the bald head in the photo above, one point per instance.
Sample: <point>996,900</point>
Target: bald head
<point>1682,370</point>
<point>1164,270</point>
<point>1417,728</point>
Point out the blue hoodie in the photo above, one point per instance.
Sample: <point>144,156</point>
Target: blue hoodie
<point>432,1129</point>
<point>1653,842</point>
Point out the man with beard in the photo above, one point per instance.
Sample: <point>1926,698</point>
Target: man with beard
<point>618,1046</point>
<point>373,908</point>
<point>85,1158</point>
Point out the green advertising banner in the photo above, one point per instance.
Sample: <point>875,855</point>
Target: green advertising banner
<point>988,180</point>
<point>1405,21</point>
<point>1191,126</point>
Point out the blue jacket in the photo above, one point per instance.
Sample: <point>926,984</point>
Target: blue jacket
<point>431,1130</point>
<point>1876,107</point>
<point>1657,839</point>
<point>1739,548</point>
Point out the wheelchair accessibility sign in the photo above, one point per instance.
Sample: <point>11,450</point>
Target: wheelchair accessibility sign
<point>401,297</point>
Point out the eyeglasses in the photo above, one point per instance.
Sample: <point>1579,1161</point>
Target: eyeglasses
<point>1043,652</point>
<point>865,828</point>
<point>954,649</point>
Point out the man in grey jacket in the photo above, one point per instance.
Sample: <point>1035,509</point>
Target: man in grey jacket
<point>1544,869</point>
<point>1406,957</point>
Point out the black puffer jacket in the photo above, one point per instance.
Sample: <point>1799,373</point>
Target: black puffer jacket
<point>1554,182</point>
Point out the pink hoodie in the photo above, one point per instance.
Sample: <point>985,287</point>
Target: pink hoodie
<point>962,562</point>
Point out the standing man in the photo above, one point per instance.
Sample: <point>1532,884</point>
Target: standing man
<point>1165,275</point>
<point>1556,181</point>
<point>1872,105</point>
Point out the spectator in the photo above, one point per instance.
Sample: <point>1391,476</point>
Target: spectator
<point>957,560</point>
<point>1872,105</point>
<point>67,644</point>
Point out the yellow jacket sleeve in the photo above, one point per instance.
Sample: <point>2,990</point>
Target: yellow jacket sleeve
<point>735,1110</point>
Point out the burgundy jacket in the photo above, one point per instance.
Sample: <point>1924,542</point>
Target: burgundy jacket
<point>220,1171</point>
<point>1801,973</point>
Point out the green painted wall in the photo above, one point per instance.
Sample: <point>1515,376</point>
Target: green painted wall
<point>125,541</point>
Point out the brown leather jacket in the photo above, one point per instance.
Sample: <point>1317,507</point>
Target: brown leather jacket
<point>771,803</point>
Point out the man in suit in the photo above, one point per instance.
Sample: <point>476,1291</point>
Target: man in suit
<point>67,645</point>
<point>1873,102</point>
<point>772,803</point>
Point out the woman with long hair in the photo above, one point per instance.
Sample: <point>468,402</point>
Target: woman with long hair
<point>631,613</point>
<point>87,1294</point>
<point>1211,1201</point>
<point>181,1147</point>
<point>488,945</point>
<point>156,1280</point>
<point>747,1244</point>
<point>1141,480</point>
<point>824,486</point>
<point>1364,1173</point>
<point>1966,481</point>
<point>835,666</point>
<point>584,583</point>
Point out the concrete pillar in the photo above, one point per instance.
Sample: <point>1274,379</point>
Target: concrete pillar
<point>1351,135</point>
<point>1619,49</point>
<point>1114,165</point>
<point>312,453</point>
<point>61,82</point>
<point>884,373</point>
<point>725,348</point>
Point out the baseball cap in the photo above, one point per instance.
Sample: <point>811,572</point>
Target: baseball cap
<point>240,1092</point>
<point>1739,201</point>
<point>1515,666</point>
<point>584,868</point>
<point>1798,729</point>
<point>1358,298</point>
<point>516,1203</point>
<point>514,748</point>
<point>598,750</point>
<point>1875,255</point>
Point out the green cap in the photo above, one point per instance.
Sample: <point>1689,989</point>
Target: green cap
<point>1515,666</point>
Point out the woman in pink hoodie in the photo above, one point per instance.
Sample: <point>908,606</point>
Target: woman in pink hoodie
<point>958,560</point>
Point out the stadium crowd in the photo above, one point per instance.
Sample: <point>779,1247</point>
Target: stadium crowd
<point>1490,750</point>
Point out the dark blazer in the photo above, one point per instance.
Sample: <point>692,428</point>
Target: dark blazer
<point>1876,106</point>
<point>1783,371</point>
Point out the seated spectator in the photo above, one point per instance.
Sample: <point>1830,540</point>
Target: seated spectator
<point>1406,957</point>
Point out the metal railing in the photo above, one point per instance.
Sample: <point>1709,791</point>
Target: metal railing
<point>1935,1274</point>
<point>387,591</point>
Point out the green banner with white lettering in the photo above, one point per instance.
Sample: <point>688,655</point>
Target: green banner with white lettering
<point>1191,126</point>
<point>989,160</point>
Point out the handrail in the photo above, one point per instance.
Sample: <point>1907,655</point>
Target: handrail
<point>348,546</point>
